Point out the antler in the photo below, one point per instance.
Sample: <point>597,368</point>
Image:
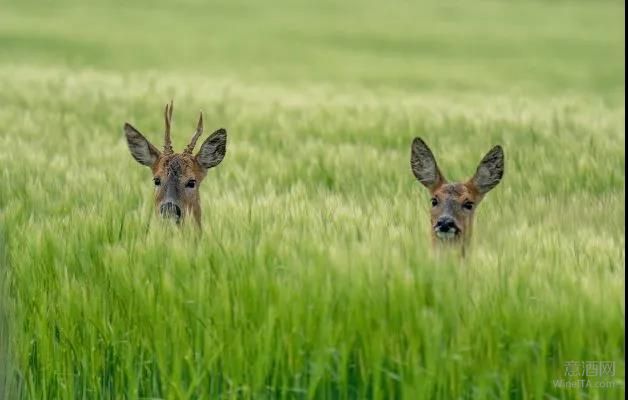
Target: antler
<point>199,130</point>
<point>168,119</point>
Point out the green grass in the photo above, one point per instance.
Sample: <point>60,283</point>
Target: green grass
<point>313,276</point>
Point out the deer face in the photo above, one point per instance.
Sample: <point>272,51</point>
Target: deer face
<point>177,176</point>
<point>453,204</point>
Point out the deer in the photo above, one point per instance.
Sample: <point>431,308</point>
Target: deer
<point>453,204</point>
<point>177,176</point>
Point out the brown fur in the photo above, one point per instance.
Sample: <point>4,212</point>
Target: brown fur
<point>457,194</point>
<point>456,201</point>
<point>190,169</point>
<point>177,176</point>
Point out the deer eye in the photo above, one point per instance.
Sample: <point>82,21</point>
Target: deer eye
<point>434,201</point>
<point>191,184</point>
<point>157,181</point>
<point>468,205</point>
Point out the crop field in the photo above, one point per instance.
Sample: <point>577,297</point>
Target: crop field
<point>313,274</point>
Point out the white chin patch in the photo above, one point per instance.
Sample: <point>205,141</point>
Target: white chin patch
<point>450,234</point>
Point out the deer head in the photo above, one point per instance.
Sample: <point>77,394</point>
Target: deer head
<point>453,204</point>
<point>177,176</point>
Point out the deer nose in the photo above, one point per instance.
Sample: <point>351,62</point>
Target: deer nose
<point>446,224</point>
<point>170,210</point>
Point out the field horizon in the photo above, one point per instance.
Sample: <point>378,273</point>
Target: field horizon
<point>313,274</point>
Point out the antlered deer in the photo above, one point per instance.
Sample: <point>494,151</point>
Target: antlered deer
<point>453,204</point>
<point>177,176</point>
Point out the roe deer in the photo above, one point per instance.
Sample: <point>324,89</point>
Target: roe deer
<point>453,204</point>
<point>177,176</point>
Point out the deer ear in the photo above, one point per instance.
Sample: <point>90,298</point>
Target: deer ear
<point>424,165</point>
<point>490,170</point>
<point>141,149</point>
<point>213,149</point>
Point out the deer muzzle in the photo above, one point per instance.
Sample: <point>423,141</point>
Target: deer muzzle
<point>446,228</point>
<point>170,210</point>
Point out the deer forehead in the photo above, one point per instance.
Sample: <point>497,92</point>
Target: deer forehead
<point>455,190</point>
<point>177,165</point>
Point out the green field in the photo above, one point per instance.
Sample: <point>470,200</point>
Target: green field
<point>313,276</point>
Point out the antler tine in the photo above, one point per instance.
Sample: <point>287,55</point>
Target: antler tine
<point>168,120</point>
<point>199,131</point>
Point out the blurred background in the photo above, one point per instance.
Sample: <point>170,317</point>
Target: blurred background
<point>554,47</point>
